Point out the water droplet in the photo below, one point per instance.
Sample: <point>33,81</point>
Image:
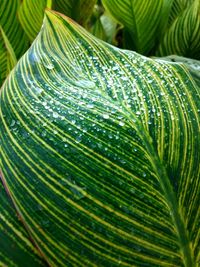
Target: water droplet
<point>49,66</point>
<point>12,123</point>
<point>55,115</point>
<point>90,105</point>
<point>121,123</point>
<point>44,133</point>
<point>39,207</point>
<point>106,116</point>
<point>78,192</point>
<point>85,83</point>
<point>38,90</point>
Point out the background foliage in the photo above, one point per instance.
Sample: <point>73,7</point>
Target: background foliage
<point>161,27</point>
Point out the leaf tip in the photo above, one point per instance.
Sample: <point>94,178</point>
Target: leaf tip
<point>52,14</point>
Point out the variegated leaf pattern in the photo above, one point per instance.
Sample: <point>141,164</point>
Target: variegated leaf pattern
<point>13,41</point>
<point>178,6</point>
<point>11,26</point>
<point>31,14</point>
<point>100,152</point>
<point>7,56</point>
<point>183,36</point>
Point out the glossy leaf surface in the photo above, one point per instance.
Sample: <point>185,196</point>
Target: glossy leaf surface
<point>99,152</point>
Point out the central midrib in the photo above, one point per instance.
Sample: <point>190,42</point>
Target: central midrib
<point>188,258</point>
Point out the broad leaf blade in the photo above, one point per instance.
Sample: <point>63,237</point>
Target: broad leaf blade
<point>192,65</point>
<point>101,143</point>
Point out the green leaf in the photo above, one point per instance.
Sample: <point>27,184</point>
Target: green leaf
<point>192,65</point>
<point>183,36</point>
<point>31,14</point>
<point>98,30</point>
<point>15,246</point>
<point>178,6</point>
<point>7,56</point>
<point>141,19</point>
<point>11,26</point>
<point>80,10</point>
<point>110,27</point>
<point>100,152</point>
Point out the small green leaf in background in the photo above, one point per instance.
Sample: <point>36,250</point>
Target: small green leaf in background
<point>7,56</point>
<point>183,36</point>
<point>110,27</point>
<point>97,30</point>
<point>178,6</point>
<point>102,25</point>
<point>13,41</point>
<point>11,26</point>
<point>31,14</point>
<point>100,153</point>
<point>141,20</point>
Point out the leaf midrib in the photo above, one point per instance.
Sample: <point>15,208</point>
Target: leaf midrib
<point>175,210</point>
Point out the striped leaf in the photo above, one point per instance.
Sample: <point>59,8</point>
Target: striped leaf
<point>31,14</point>
<point>7,56</point>
<point>13,42</point>
<point>97,30</point>
<point>178,6</point>
<point>11,26</point>
<point>144,21</point>
<point>99,152</point>
<point>183,36</point>
<point>192,65</point>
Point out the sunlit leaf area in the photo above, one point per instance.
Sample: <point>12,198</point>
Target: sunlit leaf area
<point>100,133</point>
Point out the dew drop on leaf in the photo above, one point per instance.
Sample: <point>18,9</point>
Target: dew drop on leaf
<point>106,116</point>
<point>55,115</point>
<point>121,123</point>
<point>90,106</point>
<point>38,90</point>
<point>49,66</point>
<point>12,123</point>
